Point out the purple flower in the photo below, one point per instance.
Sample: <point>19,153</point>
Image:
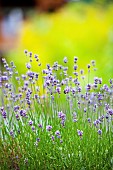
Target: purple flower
<point>107,116</point>
<point>39,125</point>
<point>4,60</point>
<point>97,121</point>
<point>66,90</point>
<point>35,56</point>
<point>88,66</point>
<point>23,76</point>
<point>7,85</point>
<point>110,111</point>
<point>63,122</point>
<point>75,73</point>
<point>81,71</point>
<point>93,62</point>
<point>85,109</point>
<point>111,81</point>
<point>17,117</point>
<point>75,67</point>
<point>4,78</point>
<point>30,122</point>
<point>95,124</point>
<point>25,51</point>
<point>48,128</point>
<point>75,59</point>
<point>75,120</point>
<point>11,133</point>
<point>16,108</point>
<point>22,112</point>
<point>80,132</point>
<point>88,87</point>
<point>65,59</point>
<point>2,109</point>
<point>79,89</point>
<point>38,139</point>
<point>30,54</point>
<point>89,120</point>
<point>33,128</point>
<point>52,138</point>
<point>58,89</point>
<point>61,115</point>
<point>57,133</point>
<point>4,115</point>
<point>100,132</point>
<point>28,65</point>
<point>100,80</point>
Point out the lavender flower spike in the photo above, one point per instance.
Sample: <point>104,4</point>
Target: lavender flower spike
<point>100,132</point>
<point>80,133</point>
<point>48,128</point>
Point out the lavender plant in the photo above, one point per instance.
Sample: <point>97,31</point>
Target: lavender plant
<point>51,120</point>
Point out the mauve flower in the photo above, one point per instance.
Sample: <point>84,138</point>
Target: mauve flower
<point>100,80</point>
<point>39,125</point>
<point>4,60</point>
<point>93,62</point>
<point>16,108</point>
<point>81,71</point>
<point>23,76</point>
<point>88,66</point>
<point>85,109</point>
<point>25,51</point>
<point>73,90</point>
<point>75,120</point>
<point>67,90</point>
<point>110,111</point>
<point>61,115</point>
<point>6,85</point>
<point>65,60</point>
<point>11,133</point>
<point>4,78</point>
<point>33,128</point>
<point>111,81</point>
<point>97,121</point>
<point>35,56</point>
<point>89,120</point>
<point>2,109</point>
<point>80,132</point>
<point>79,89</point>
<point>17,117</point>
<point>28,65</point>
<point>4,115</point>
<point>75,67</point>
<point>30,122</point>
<point>75,73</point>
<point>88,87</point>
<point>100,132</point>
<point>95,124</point>
<point>57,133</point>
<point>58,90</point>
<point>53,138</point>
<point>22,112</point>
<point>48,128</point>
<point>38,139</point>
<point>30,54</point>
<point>75,59</point>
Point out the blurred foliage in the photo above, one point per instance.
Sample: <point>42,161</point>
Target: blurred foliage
<point>78,29</point>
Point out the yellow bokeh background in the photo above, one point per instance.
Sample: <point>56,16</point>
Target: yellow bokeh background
<point>78,29</point>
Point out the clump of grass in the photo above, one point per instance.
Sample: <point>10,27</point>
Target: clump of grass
<point>51,120</point>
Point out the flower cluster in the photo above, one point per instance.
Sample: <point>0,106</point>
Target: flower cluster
<point>36,106</point>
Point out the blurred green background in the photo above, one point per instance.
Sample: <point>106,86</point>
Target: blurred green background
<point>77,29</point>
